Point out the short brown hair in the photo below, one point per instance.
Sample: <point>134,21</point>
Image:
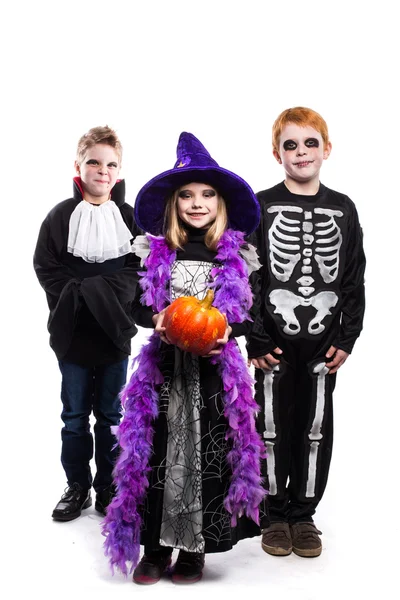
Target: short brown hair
<point>98,135</point>
<point>175,233</point>
<point>301,116</point>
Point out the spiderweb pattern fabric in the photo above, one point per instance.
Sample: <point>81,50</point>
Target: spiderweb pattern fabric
<point>190,474</point>
<point>182,506</point>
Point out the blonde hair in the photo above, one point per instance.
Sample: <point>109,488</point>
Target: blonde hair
<point>299,115</point>
<point>98,135</point>
<point>174,230</point>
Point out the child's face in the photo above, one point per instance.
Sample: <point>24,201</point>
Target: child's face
<point>99,170</point>
<point>301,152</point>
<point>197,205</point>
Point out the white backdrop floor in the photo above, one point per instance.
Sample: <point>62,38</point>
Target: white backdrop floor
<point>360,534</point>
<point>66,560</point>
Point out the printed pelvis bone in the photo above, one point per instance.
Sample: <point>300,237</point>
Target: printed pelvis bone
<point>286,301</point>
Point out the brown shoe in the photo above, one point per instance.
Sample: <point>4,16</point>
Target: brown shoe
<point>276,539</point>
<point>306,541</point>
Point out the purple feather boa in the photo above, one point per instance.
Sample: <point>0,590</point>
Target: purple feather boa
<point>233,297</point>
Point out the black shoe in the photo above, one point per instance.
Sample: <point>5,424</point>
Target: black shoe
<point>188,567</point>
<point>72,502</point>
<point>103,499</point>
<point>151,567</point>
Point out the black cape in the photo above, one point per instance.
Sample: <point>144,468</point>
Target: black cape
<point>80,293</point>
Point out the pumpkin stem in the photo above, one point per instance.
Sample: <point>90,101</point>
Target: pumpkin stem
<point>207,300</point>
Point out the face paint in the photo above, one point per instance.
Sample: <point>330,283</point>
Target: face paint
<point>207,193</point>
<point>98,171</point>
<point>312,143</point>
<point>309,142</point>
<point>289,145</point>
<point>301,152</point>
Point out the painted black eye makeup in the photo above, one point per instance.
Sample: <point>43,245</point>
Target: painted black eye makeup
<point>311,143</point>
<point>92,161</point>
<point>289,145</point>
<point>187,193</point>
<point>184,194</point>
<point>112,164</point>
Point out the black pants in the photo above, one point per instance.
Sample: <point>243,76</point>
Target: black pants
<point>296,423</point>
<point>83,390</point>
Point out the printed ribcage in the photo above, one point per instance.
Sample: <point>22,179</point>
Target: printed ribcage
<point>304,236</point>
<point>291,240</point>
<point>284,242</point>
<point>329,240</point>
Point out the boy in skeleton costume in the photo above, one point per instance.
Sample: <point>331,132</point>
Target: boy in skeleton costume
<point>310,245</point>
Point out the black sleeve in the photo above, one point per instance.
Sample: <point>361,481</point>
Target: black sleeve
<point>109,298</point>
<point>259,343</point>
<point>51,273</point>
<point>62,289</point>
<point>122,282</point>
<point>352,287</point>
<point>239,329</point>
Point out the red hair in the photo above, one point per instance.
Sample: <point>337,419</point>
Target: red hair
<point>303,117</point>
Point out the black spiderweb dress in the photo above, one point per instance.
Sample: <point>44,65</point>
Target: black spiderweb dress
<point>190,475</point>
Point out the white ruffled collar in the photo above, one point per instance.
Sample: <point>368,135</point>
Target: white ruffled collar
<point>98,233</point>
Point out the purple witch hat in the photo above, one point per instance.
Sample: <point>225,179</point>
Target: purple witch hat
<point>195,165</point>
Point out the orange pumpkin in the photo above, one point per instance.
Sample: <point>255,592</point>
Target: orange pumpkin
<point>194,325</point>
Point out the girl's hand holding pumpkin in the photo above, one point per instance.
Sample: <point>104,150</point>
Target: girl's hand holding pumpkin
<point>158,322</point>
<point>221,342</point>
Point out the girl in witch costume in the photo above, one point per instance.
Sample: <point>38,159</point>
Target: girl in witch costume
<point>188,474</point>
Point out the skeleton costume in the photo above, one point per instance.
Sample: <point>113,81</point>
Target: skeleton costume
<point>313,297</point>
<point>189,472</point>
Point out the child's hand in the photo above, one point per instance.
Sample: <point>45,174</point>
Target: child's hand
<point>221,342</point>
<point>158,322</point>
<point>338,357</point>
<point>267,362</point>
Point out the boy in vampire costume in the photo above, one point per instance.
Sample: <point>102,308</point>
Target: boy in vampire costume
<point>85,264</point>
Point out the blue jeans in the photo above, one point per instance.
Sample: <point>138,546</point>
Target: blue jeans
<point>83,390</point>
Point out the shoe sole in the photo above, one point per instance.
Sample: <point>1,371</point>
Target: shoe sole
<point>308,552</point>
<point>144,580</point>
<point>276,551</point>
<point>181,579</point>
<point>72,516</point>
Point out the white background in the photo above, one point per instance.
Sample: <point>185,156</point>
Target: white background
<point>223,71</point>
